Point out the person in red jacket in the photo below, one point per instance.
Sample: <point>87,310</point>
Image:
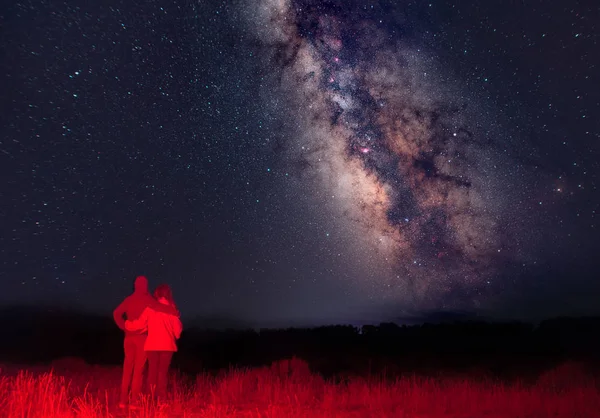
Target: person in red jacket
<point>163,332</point>
<point>133,345</point>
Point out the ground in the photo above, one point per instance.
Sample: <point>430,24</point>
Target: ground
<point>289,389</point>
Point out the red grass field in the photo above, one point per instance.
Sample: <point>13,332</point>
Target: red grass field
<point>289,389</point>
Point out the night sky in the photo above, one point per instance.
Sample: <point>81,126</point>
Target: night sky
<point>285,162</point>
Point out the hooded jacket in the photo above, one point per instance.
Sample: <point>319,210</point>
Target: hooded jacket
<point>133,306</point>
<point>163,329</point>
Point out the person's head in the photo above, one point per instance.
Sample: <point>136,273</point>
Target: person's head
<point>164,291</point>
<point>141,284</point>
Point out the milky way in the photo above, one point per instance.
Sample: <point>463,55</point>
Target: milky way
<point>403,163</point>
<point>303,162</point>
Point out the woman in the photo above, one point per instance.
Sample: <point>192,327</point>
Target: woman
<point>163,332</point>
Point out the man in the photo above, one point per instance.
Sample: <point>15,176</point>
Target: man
<point>135,356</point>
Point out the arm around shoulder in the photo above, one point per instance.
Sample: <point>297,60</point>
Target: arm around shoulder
<point>161,307</point>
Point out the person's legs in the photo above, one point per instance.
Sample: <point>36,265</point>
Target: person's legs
<point>153,359</point>
<point>129,350</point>
<point>163,372</point>
<point>138,366</point>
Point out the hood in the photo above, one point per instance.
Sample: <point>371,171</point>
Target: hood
<point>141,284</point>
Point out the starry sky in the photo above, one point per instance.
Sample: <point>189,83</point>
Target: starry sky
<point>283,162</point>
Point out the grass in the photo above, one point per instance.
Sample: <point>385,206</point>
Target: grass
<point>288,389</point>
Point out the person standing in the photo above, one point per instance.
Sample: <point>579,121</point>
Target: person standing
<point>163,332</point>
<point>133,345</point>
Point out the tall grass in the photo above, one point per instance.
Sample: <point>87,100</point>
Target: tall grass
<point>291,390</point>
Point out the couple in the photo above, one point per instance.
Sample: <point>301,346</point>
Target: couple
<point>151,326</point>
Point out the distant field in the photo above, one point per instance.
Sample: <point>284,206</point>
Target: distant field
<point>289,390</point>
